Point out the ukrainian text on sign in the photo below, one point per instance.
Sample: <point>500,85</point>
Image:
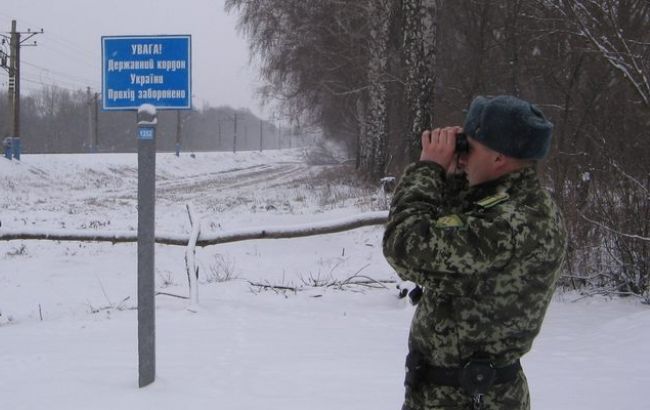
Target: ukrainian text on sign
<point>146,70</point>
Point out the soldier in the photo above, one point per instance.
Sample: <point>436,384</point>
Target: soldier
<point>487,256</point>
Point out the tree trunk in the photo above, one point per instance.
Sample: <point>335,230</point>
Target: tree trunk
<point>419,48</point>
<point>362,134</point>
<point>373,150</point>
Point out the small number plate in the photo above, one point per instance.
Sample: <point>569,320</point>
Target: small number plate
<point>146,133</point>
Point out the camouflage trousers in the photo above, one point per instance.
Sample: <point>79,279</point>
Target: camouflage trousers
<point>507,396</point>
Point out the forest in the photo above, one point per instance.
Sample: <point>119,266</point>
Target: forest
<point>372,74</point>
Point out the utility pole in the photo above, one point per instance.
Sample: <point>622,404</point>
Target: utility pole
<point>220,120</point>
<point>14,85</point>
<point>93,118</point>
<point>178,133</point>
<point>219,127</point>
<point>277,119</point>
<point>96,121</point>
<point>261,134</point>
<point>245,137</point>
<point>291,134</point>
<point>234,140</point>
<point>15,43</point>
<point>91,138</point>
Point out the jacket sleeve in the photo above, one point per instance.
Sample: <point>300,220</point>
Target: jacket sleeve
<point>445,253</point>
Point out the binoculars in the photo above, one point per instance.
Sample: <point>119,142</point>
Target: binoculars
<point>462,146</point>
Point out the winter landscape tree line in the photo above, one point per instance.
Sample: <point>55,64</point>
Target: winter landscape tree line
<point>59,120</point>
<point>372,74</point>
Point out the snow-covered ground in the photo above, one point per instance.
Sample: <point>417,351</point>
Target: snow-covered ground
<point>68,327</point>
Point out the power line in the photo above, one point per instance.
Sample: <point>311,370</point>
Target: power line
<point>11,18</point>
<point>56,82</point>
<point>70,53</point>
<point>45,84</point>
<point>55,46</point>
<point>59,44</point>
<point>72,79</point>
<point>76,49</point>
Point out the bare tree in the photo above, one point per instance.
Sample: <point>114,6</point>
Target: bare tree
<point>420,36</point>
<point>617,30</point>
<point>373,150</point>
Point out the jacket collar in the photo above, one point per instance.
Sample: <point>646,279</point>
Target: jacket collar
<point>504,184</point>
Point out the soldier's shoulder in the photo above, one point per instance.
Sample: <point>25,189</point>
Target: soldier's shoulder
<point>500,205</point>
<point>537,211</point>
<point>493,200</point>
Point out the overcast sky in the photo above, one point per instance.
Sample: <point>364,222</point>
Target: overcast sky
<point>69,52</point>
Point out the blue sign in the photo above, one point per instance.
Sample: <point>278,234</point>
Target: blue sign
<point>152,70</point>
<point>146,133</point>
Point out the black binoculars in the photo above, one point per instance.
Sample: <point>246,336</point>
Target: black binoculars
<point>462,146</point>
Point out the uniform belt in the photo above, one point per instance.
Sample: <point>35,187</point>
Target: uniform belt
<point>451,376</point>
<point>476,376</point>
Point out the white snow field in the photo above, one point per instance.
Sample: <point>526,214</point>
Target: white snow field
<point>68,324</point>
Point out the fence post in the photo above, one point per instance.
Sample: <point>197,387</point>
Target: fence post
<point>190,256</point>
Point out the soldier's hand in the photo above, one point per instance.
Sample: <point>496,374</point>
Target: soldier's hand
<point>439,145</point>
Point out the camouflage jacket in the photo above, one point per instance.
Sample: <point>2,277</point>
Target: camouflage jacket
<point>488,259</point>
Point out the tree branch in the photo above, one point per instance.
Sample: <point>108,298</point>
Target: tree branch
<point>627,235</point>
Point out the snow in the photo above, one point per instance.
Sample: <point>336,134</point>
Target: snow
<point>148,109</point>
<point>244,347</point>
<point>147,115</point>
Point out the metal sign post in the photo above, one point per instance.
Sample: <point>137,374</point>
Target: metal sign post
<point>147,121</point>
<point>146,73</point>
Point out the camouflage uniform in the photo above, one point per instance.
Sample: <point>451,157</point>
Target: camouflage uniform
<point>488,263</point>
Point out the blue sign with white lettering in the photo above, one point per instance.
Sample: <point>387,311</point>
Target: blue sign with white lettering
<point>153,70</point>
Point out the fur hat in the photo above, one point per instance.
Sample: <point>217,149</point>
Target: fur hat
<point>509,125</point>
